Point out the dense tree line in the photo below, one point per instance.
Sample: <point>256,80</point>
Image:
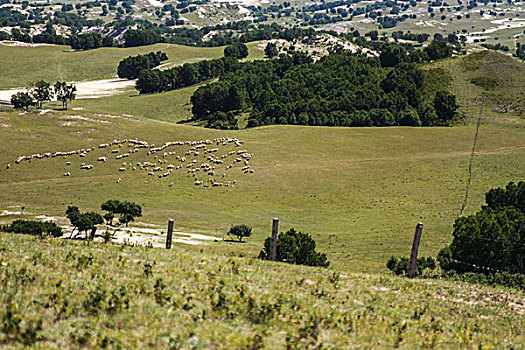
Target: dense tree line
<point>492,239</point>
<point>152,80</point>
<point>339,90</point>
<point>130,67</point>
<point>141,37</point>
<point>90,41</point>
<point>392,55</point>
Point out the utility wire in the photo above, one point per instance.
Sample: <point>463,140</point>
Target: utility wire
<point>464,204</point>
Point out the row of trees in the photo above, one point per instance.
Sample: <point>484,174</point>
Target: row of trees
<point>392,55</point>
<point>42,92</point>
<point>130,67</point>
<point>87,222</point>
<point>152,80</point>
<point>339,90</point>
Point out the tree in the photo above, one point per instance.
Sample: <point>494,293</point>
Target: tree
<point>64,93</point>
<point>437,50</point>
<point>271,50</point>
<point>445,106</point>
<point>237,50</point>
<point>22,100</point>
<point>84,222</point>
<point>295,247</point>
<point>41,92</point>
<point>240,231</point>
<point>111,206</point>
<point>128,211</point>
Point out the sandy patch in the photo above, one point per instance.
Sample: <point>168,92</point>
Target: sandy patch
<point>145,236</point>
<point>19,43</point>
<point>79,117</point>
<point>241,2</point>
<point>7,212</point>
<point>155,3</point>
<point>86,89</point>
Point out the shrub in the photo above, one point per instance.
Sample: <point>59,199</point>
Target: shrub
<point>400,265</point>
<point>32,227</point>
<point>295,247</point>
<point>492,239</point>
<point>240,231</point>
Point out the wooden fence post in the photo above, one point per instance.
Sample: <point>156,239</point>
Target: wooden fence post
<point>275,230</point>
<point>415,249</point>
<point>170,233</point>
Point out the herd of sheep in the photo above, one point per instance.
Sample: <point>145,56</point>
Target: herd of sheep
<point>199,159</point>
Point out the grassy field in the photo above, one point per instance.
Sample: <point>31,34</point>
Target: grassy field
<point>358,191</point>
<point>24,65</point>
<point>67,294</point>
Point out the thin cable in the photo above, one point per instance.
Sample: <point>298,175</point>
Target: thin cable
<point>464,204</point>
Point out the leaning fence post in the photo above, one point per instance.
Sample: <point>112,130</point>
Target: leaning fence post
<point>415,249</point>
<point>275,229</point>
<point>170,233</point>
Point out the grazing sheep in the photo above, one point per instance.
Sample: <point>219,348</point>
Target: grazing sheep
<point>114,151</point>
<point>118,180</point>
<point>68,163</point>
<point>8,166</point>
<point>102,159</point>
<point>122,169</point>
<point>67,174</point>
<point>86,167</point>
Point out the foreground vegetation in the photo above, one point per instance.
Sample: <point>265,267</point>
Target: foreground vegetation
<point>56,293</point>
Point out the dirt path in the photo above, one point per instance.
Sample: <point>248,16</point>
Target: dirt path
<point>86,89</point>
<point>139,236</point>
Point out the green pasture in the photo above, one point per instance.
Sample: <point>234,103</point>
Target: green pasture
<point>22,66</point>
<point>358,191</point>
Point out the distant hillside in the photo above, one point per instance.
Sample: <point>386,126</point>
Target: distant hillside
<point>500,77</point>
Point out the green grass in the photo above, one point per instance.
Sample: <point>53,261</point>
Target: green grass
<point>172,106</point>
<point>22,66</point>
<point>358,191</point>
<point>67,294</point>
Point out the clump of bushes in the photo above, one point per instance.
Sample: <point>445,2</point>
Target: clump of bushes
<point>400,265</point>
<point>295,247</point>
<point>31,227</point>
